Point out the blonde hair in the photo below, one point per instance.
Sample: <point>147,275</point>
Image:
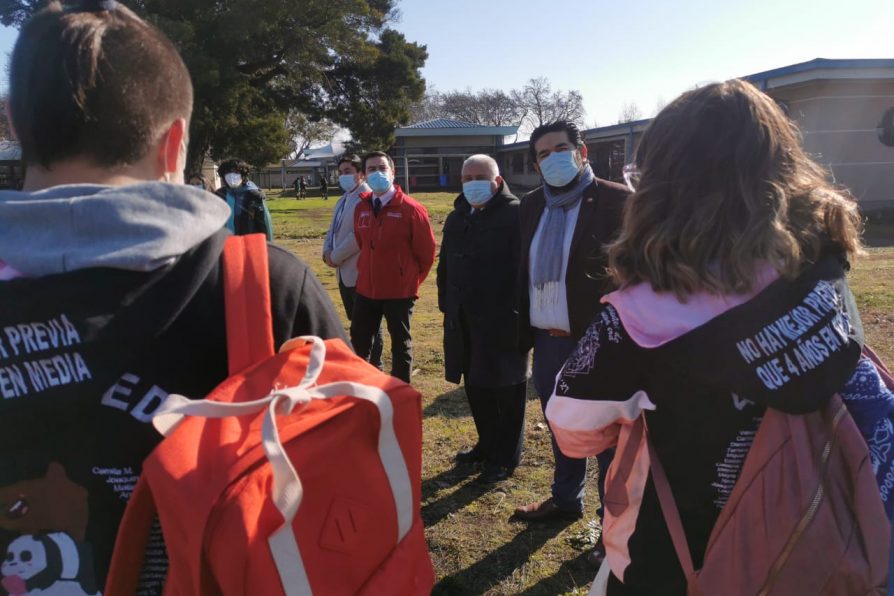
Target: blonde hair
<point>726,186</point>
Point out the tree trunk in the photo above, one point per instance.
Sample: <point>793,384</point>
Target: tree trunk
<point>195,156</point>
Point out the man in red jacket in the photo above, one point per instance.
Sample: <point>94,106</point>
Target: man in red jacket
<point>397,250</point>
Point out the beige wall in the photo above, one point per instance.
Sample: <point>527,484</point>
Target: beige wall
<point>838,120</point>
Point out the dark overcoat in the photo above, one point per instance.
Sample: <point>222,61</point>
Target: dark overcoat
<point>477,272</point>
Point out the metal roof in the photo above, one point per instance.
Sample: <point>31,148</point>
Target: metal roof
<point>822,63</point>
<point>443,123</point>
<point>443,127</point>
<point>824,68</point>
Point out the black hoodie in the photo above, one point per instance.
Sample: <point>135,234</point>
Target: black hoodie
<point>790,347</point>
<point>87,355</point>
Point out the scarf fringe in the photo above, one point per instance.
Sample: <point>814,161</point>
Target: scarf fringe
<point>546,294</point>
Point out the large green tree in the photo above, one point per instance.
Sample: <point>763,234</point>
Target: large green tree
<point>255,61</point>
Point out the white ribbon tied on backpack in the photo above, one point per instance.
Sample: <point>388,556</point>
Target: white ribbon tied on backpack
<point>287,488</point>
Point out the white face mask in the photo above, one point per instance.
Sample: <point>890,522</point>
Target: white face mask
<point>233,180</point>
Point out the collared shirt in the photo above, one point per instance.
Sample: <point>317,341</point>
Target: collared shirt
<point>385,198</point>
<point>555,315</point>
<point>338,217</point>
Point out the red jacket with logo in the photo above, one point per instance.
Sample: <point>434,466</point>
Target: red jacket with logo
<point>397,247</point>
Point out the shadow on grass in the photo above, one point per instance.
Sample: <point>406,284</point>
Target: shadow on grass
<point>437,510</point>
<point>573,573</point>
<point>452,404</point>
<point>446,479</point>
<point>499,564</point>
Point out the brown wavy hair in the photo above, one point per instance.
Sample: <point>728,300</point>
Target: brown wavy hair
<point>725,186</point>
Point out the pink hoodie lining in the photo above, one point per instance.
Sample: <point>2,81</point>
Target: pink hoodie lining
<point>7,272</point>
<point>652,318</point>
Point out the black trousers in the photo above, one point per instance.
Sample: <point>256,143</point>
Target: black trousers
<point>348,297</point>
<point>499,415</point>
<point>366,320</point>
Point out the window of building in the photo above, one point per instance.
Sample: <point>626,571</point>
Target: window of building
<point>517,165</point>
<point>607,159</point>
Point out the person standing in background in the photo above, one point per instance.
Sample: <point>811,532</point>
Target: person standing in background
<point>248,209</point>
<point>477,276</point>
<point>340,248</point>
<point>324,187</point>
<point>564,225</point>
<point>397,250</point>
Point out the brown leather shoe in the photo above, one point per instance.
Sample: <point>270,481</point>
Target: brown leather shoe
<point>545,511</point>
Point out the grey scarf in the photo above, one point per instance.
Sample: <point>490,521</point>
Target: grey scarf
<point>546,269</point>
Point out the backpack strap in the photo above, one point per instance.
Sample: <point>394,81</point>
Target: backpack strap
<point>668,506</point>
<point>246,277</point>
<point>883,371</point>
<point>131,542</point>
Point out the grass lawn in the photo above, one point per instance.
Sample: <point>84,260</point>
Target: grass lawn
<point>475,549</point>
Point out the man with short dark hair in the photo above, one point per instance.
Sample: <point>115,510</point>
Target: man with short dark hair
<point>397,250</point>
<point>340,248</point>
<point>564,225</point>
<point>248,206</point>
<point>111,292</point>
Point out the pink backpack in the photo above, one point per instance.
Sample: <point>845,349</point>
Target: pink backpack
<point>805,515</point>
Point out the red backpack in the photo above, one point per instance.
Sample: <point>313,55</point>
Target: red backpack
<point>299,474</point>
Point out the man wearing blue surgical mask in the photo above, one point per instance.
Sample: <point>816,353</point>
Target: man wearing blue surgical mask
<point>340,248</point>
<point>397,250</point>
<point>477,278</point>
<point>564,226</point>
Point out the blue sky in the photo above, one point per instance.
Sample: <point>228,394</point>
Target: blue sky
<point>635,50</point>
<point>629,50</point>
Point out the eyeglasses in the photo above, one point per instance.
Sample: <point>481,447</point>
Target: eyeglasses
<point>632,176</point>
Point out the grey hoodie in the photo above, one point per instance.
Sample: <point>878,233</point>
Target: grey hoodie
<point>140,227</point>
<point>121,303</point>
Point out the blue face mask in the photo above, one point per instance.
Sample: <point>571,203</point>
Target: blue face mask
<point>379,182</point>
<point>347,182</point>
<point>477,192</point>
<point>559,168</point>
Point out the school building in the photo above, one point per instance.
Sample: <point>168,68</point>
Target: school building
<point>844,108</point>
<point>314,164</point>
<point>429,155</point>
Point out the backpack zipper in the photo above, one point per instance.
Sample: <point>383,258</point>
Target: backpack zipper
<point>811,510</point>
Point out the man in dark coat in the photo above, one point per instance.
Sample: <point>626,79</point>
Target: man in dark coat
<point>565,225</point>
<point>477,273</point>
<point>324,188</point>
